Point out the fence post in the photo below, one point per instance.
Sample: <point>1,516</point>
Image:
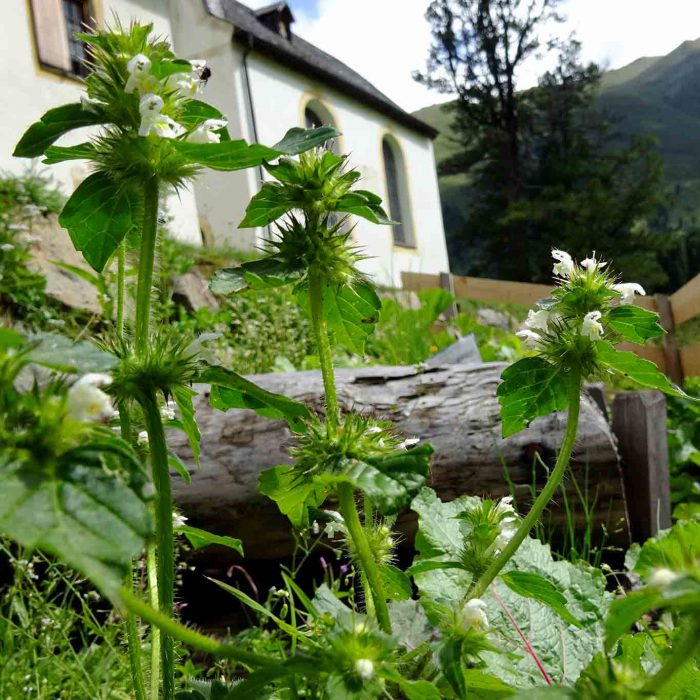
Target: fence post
<point>447,282</point>
<point>639,423</point>
<point>674,368</point>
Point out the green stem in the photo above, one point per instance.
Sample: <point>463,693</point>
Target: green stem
<point>146,262</point>
<point>555,478</point>
<point>175,630</point>
<point>121,287</point>
<point>152,575</point>
<point>683,650</point>
<point>134,643</point>
<point>164,530</point>
<point>323,348</point>
<point>370,570</point>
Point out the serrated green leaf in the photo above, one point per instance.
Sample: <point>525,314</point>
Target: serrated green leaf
<point>183,396</point>
<point>267,206</point>
<point>531,387</point>
<point>230,390</point>
<point>676,548</point>
<point>351,312</point>
<point>54,124</point>
<point>397,586</point>
<point>298,140</point>
<point>10,338</point>
<point>98,216</point>
<point>174,462</point>
<point>360,203</point>
<point>418,690</point>
<point>258,274</point>
<point>81,514</point>
<point>225,155</point>
<point>293,496</point>
<point>450,660</point>
<point>530,585</point>
<point>201,538</point>
<point>58,154</point>
<point>641,371</point>
<point>64,355</point>
<point>194,113</point>
<point>635,324</point>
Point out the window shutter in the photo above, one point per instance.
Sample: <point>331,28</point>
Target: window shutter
<point>50,34</point>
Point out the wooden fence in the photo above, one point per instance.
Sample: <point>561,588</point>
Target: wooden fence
<point>675,309</point>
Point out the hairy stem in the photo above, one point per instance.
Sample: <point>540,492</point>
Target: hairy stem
<point>555,478</point>
<point>147,255</point>
<point>323,347</point>
<point>121,288</point>
<point>164,530</point>
<point>683,651</point>
<point>134,643</point>
<point>370,570</point>
<point>152,575</point>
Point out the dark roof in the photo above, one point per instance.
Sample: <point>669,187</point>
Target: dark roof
<point>308,59</point>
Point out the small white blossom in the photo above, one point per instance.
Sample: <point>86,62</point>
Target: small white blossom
<point>315,529</point>
<point>142,438</point>
<point>335,526</point>
<point>591,326</point>
<point>627,291</point>
<point>140,79</point>
<point>7,247</point>
<point>364,669</point>
<point>660,578</point>
<point>505,505</point>
<point>185,84</point>
<point>154,122</point>
<point>86,401</point>
<point>167,412</point>
<point>198,64</point>
<point>529,338</point>
<point>537,320</point>
<point>472,615</point>
<point>507,529</point>
<point>178,520</point>
<point>591,264</point>
<point>565,265</point>
<point>409,442</point>
<point>206,131</point>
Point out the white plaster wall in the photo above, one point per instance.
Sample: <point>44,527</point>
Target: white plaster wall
<point>28,91</point>
<point>279,96</point>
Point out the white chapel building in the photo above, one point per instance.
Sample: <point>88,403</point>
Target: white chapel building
<point>266,80</point>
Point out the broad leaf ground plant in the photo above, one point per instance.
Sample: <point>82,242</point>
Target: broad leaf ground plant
<point>484,611</point>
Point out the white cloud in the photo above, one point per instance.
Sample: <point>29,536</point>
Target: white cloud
<point>385,40</point>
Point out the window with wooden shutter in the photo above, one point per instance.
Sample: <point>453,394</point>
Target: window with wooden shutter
<point>55,24</point>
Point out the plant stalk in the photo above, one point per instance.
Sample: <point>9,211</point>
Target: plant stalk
<point>323,347</point>
<point>555,479</point>
<point>370,570</point>
<point>683,650</point>
<point>121,288</point>
<point>152,576</point>
<point>164,530</point>
<point>147,255</point>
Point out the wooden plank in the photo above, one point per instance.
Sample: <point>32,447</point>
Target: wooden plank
<point>690,360</point>
<point>417,281</point>
<point>647,352</point>
<point>485,289</point>
<point>639,423</point>
<point>674,369</point>
<point>447,283</point>
<point>686,301</point>
<point>646,303</point>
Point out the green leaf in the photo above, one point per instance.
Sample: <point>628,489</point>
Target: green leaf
<point>676,548</point>
<point>351,312</point>
<point>98,216</point>
<point>226,155</point>
<point>485,686</point>
<point>293,496</point>
<point>537,587</point>
<point>365,205</point>
<point>58,154</point>
<point>258,274</point>
<point>195,112</point>
<point>266,206</point>
<point>201,538</point>
<point>635,324</point>
<point>531,387</point>
<point>54,124</point>
<point>81,514</point>
<point>183,396</point>
<point>174,462</point>
<point>10,338</point>
<point>421,567</point>
<point>641,371</point>
<point>230,390</point>
<point>64,355</point>
<point>450,660</point>
<point>298,140</point>
<point>397,586</point>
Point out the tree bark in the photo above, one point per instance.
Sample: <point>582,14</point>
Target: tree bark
<point>454,407</point>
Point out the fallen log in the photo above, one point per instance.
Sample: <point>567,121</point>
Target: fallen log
<point>453,406</point>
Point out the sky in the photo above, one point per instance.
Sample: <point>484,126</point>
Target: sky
<point>385,40</point>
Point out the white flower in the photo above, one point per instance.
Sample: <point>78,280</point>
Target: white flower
<point>472,615</point>
<point>505,505</point>
<point>140,79</point>
<point>186,84</point>
<point>537,320</point>
<point>565,265</point>
<point>178,520</point>
<point>335,526</point>
<point>529,338</point>
<point>153,122</point>
<point>86,401</point>
<point>167,412</point>
<point>142,438</point>
<point>591,264</point>
<point>591,326</point>
<point>198,64</point>
<point>627,291</point>
<point>315,529</point>
<point>409,442</point>
<point>7,247</point>
<point>364,669</point>
<point>507,529</point>
<point>206,131</point>
<point>660,578</point>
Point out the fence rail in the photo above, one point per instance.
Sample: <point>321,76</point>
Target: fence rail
<point>675,309</point>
